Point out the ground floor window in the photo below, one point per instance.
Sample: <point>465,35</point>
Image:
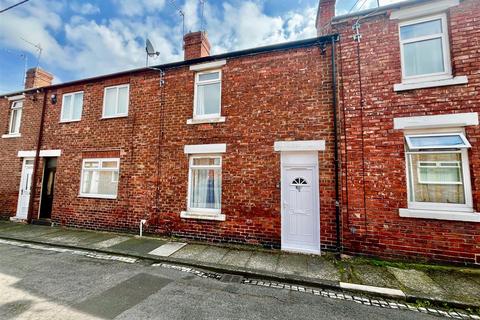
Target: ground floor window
<point>205,183</point>
<point>437,172</point>
<point>100,178</point>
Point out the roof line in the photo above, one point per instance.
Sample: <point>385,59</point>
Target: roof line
<point>234,54</point>
<point>379,9</point>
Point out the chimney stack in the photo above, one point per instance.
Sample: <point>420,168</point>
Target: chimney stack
<point>196,45</point>
<point>37,77</point>
<point>325,14</point>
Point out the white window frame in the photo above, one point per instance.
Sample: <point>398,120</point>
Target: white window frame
<point>447,64</point>
<point>14,108</point>
<point>191,166</point>
<point>466,144</point>
<point>467,187</point>
<point>118,87</point>
<point>197,83</point>
<point>435,165</point>
<point>72,103</point>
<point>100,160</point>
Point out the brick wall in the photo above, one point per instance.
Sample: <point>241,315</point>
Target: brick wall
<point>281,95</point>
<point>373,157</point>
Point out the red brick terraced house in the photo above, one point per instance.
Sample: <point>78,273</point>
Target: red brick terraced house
<point>363,140</point>
<point>409,97</point>
<point>209,148</point>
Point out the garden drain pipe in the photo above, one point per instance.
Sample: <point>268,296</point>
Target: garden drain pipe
<point>142,222</point>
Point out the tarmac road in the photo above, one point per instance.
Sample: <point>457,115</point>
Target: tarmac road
<point>39,284</point>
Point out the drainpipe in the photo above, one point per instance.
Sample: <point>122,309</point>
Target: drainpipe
<point>335,142</point>
<point>37,159</point>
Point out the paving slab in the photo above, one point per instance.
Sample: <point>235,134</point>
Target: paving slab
<point>167,249</point>
<point>417,282</point>
<point>109,242</point>
<point>263,261</point>
<point>374,276</point>
<point>137,245</point>
<point>292,264</point>
<point>237,258</point>
<point>212,254</point>
<point>322,268</point>
<point>460,286</point>
<point>28,231</point>
<point>190,251</point>
<point>72,237</point>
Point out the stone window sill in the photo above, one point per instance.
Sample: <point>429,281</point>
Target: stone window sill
<point>11,135</point>
<point>206,120</point>
<point>430,84</point>
<point>202,215</point>
<point>440,215</point>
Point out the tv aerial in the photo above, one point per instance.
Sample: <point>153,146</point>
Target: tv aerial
<point>150,50</point>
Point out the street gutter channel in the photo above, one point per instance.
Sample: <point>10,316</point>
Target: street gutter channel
<point>325,288</point>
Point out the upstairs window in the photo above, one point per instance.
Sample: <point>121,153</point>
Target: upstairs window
<point>115,101</point>
<point>15,117</point>
<point>72,104</point>
<point>438,172</point>
<point>207,94</point>
<point>100,178</point>
<point>425,49</point>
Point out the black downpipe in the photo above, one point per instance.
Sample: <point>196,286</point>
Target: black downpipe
<point>335,142</point>
<point>33,186</point>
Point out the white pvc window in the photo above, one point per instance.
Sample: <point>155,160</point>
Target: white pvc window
<point>72,105</point>
<point>438,172</point>
<point>205,184</point>
<point>115,101</point>
<point>207,100</point>
<point>437,141</point>
<point>15,117</point>
<point>425,49</point>
<point>100,178</point>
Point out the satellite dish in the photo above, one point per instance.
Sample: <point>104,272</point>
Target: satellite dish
<point>150,50</point>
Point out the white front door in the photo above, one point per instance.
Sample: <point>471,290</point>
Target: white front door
<point>24,190</point>
<point>300,209</point>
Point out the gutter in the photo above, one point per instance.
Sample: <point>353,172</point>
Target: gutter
<point>37,159</point>
<point>377,10</point>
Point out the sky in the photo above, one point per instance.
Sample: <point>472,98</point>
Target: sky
<point>80,39</point>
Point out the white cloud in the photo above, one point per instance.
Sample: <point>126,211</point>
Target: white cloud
<point>139,7</point>
<point>85,8</point>
<point>244,25</point>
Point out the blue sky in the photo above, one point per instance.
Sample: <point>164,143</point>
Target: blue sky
<point>86,38</point>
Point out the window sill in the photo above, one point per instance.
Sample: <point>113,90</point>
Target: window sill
<point>68,121</point>
<point>430,84</point>
<point>206,120</point>
<point>440,215</point>
<point>202,215</point>
<point>97,196</point>
<point>114,117</point>
<point>11,135</point>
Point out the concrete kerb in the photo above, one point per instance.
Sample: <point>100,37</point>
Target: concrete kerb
<point>264,275</point>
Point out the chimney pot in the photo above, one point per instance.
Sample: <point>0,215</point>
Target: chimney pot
<point>37,77</point>
<point>196,45</point>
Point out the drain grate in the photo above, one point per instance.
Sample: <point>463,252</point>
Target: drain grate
<point>231,278</point>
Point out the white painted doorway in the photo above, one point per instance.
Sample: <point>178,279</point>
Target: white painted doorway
<point>300,202</point>
<point>24,190</point>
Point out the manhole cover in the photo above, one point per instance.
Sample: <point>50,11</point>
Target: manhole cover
<point>231,278</point>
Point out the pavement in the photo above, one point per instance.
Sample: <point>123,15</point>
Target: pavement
<point>427,285</point>
<point>38,283</point>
